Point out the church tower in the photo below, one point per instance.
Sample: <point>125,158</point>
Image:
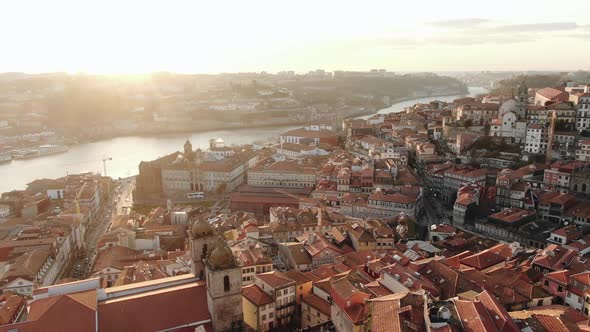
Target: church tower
<point>224,288</point>
<point>522,100</point>
<point>202,242</point>
<point>188,150</point>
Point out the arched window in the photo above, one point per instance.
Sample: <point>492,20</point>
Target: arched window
<point>204,252</point>
<point>576,187</point>
<point>583,187</point>
<point>226,283</point>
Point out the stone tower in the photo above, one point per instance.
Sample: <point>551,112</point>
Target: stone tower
<point>522,100</point>
<point>202,242</point>
<point>224,288</point>
<point>188,150</point>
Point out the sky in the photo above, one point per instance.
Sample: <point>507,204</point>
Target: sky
<point>127,36</point>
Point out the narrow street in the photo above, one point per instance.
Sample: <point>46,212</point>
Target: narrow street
<point>118,203</point>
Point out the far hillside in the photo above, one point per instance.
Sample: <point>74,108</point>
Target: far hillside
<point>538,81</point>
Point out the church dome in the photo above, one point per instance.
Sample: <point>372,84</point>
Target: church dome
<point>221,257</point>
<point>201,228</point>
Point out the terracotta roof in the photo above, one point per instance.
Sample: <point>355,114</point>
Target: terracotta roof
<point>319,245</point>
<point>145,311</point>
<point>377,289</point>
<point>11,306</point>
<point>502,319</point>
<point>117,257</point>
<point>534,126</point>
<point>550,93</point>
<point>474,316</point>
<point>556,198</point>
<point>561,276</point>
<point>512,215</point>
<point>298,252</point>
<point>28,264</point>
<point>299,277</point>
<point>48,314</point>
<point>256,295</point>
<point>318,303</point>
<point>385,313</point>
<point>551,323</point>
<point>275,279</point>
<point>554,257</point>
<point>403,195</point>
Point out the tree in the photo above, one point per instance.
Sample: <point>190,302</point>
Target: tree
<point>220,190</point>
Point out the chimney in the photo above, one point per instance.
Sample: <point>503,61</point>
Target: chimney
<point>320,217</point>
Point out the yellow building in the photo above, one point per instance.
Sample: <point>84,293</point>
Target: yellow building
<point>303,288</point>
<point>258,308</point>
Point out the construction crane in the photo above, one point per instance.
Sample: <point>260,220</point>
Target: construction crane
<point>549,154</point>
<point>104,164</point>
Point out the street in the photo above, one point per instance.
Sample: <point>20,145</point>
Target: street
<point>118,203</point>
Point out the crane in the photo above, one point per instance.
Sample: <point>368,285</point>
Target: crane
<point>104,164</point>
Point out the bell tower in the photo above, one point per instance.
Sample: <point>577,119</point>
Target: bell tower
<point>202,242</point>
<point>224,287</point>
<point>522,100</point>
<point>188,150</point>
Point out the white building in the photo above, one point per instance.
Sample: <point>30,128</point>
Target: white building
<point>583,112</point>
<point>583,150</point>
<point>536,139</point>
<point>4,210</point>
<point>509,126</point>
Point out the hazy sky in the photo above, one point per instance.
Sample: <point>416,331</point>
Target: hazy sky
<point>212,36</point>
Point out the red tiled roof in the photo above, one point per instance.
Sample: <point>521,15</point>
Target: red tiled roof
<point>152,310</point>
<point>256,295</point>
<point>298,277</point>
<point>474,316</point>
<point>48,314</point>
<point>502,319</point>
<point>512,215</point>
<point>275,279</point>
<point>552,323</point>
<point>11,307</point>
<point>318,303</point>
<point>482,260</point>
<point>561,276</point>
<point>550,93</point>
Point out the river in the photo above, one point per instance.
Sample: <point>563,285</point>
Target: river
<point>127,152</point>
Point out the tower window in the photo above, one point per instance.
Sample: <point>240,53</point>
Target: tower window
<point>204,252</point>
<point>226,283</point>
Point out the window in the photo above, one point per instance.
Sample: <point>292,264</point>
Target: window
<point>559,289</point>
<point>579,300</point>
<point>270,315</point>
<point>204,251</point>
<point>226,285</point>
<point>263,317</point>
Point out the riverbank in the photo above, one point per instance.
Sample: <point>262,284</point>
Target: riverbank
<point>205,126</point>
<point>224,125</point>
<point>127,152</point>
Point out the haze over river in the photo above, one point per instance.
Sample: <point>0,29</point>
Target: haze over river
<point>127,152</point>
